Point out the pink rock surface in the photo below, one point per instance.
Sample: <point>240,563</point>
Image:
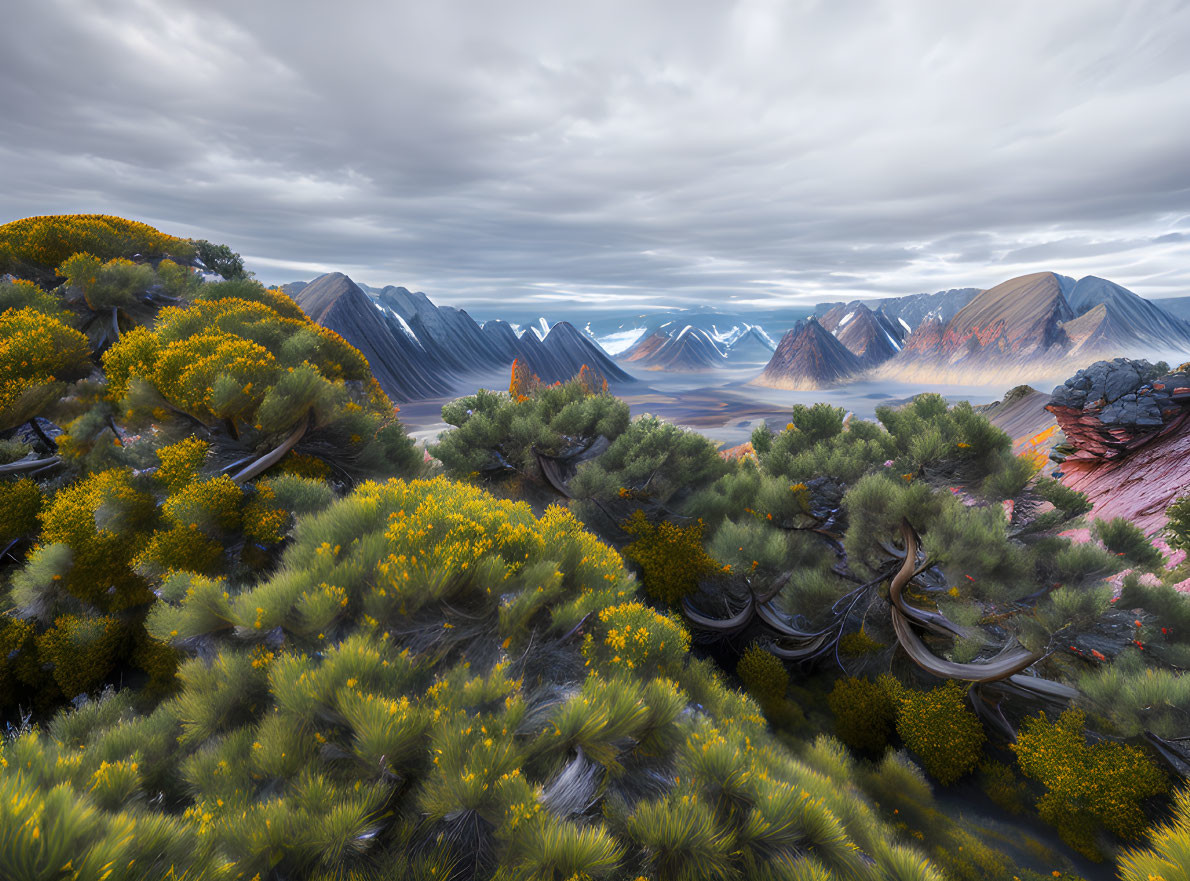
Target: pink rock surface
<point>1139,486</point>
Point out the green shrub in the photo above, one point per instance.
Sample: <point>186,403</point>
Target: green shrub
<point>865,712</point>
<point>497,435</point>
<point>1124,539</point>
<point>941,730</point>
<point>1177,527</point>
<point>651,459</point>
<point>763,674</point>
<point>1070,502</point>
<point>1168,852</point>
<point>369,701</point>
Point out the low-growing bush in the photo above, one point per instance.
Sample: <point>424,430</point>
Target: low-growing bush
<point>763,674</point>
<point>865,712</point>
<point>671,557</point>
<point>1088,786</point>
<point>941,729</point>
<point>434,684</point>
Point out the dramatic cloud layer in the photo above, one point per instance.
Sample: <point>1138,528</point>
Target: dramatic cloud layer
<point>665,152</point>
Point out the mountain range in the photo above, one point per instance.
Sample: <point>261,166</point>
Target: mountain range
<point>1035,325</point>
<point>1041,324</point>
<point>868,334</point>
<point>419,350</point>
<point>693,349</point>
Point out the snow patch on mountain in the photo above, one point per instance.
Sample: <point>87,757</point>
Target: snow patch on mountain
<point>615,343</point>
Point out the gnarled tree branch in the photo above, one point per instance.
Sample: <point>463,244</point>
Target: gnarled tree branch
<point>1001,667</point>
<point>272,458</point>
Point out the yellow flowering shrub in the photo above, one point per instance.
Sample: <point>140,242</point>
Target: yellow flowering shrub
<point>639,638</point>
<point>36,351</point>
<point>19,294</point>
<point>43,243</point>
<point>304,466</point>
<point>941,730</point>
<point>763,674</point>
<point>22,676</point>
<point>181,462</point>
<point>865,711</point>
<point>116,284</point>
<point>103,520</point>
<point>1087,786</point>
<point>83,650</point>
<point>264,520</point>
<point>344,718</point>
<point>20,503</point>
<point>671,558</point>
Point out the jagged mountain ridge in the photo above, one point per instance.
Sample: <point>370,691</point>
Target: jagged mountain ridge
<point>418,350</point>
<point>689,350</point>
<point>909,311</point>
<point>692,349</point>
<point>752,346</point>
<point>399,364</point>
<point>868,334</point>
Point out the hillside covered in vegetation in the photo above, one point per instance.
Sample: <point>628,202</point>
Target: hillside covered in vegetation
<point>249,630</point>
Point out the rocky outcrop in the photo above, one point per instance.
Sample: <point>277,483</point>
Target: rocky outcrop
<point>1115,407</point>
<point>1127,438</point>
<point>809,357</point>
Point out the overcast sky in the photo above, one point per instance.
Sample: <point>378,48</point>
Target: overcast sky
<point>638,153</point>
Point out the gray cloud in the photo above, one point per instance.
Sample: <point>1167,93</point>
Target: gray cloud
<point>761,150</point>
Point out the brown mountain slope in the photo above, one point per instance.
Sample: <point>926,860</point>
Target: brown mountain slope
<point>1011,330</point>
<point>809,357</point>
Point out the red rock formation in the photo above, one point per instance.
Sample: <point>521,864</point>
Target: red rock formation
<point>926,338</point>
<point>1139,486</point>
<point>1127,443</point>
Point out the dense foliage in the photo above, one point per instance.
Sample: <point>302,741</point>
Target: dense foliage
<point>35,247</point>
<point>372,710</point>
<point>791,551</point>
<point>1087,786</point>
<point>155,424</point>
